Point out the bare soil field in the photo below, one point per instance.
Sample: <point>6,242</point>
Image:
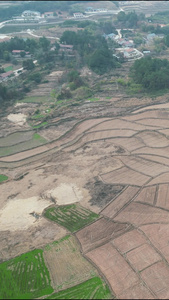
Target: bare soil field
<point>109,160</point>
<point>114,267</point>
<point>66,264</point>
<point>100,232</point>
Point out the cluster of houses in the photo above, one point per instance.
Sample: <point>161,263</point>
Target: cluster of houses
<point>5,76</point>
<point>37,16</point>
<point>126,47</point>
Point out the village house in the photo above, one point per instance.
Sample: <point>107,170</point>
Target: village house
<point>5,76</point>
<point>129,53</point>
<point>110,35</point>
<point>90,9</point>
<point>48,14</point>
<point>30,14</point>
<point>66,48</point>
<point>18,52</point>
<point>78,15</point>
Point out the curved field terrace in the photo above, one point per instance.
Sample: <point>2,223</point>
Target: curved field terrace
<point>94,200</point>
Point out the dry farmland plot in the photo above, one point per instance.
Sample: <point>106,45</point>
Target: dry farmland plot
<point>154,122</point>
<point>163,196</point>
<point>128,241</point>
<point>117,124</point>
<point>158,235</point>
<point>140,214</point>
<point>73,217</point>
<point>163,178</point>
<point>156,158</point>
<point>117,204</point>
<point>147,115</point>
<point>118,272</point>
<point>66,264</point>
<point>157,279</point>
<point>153,139</point>
<point>143,166</point>
<point>125,176</point>
<point>147,195</point>
<point>100,232</point>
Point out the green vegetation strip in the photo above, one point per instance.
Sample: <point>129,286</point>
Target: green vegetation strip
<point>3,177</point>
<point>73,217</point>
<point>34,99</point>
<point>7,69</point>
<point>93,99</point>
<point>36,141</point>
<point>25,277</point>
<point>93,288</point>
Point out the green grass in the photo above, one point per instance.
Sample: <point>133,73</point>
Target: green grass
<point>73,217</point>
<point>35,141</point>
<point>13,28</point>
<point>40,125</point>
<point>16,138</point>
<point>48,247</point>
<point>38,116</point>
<point>3,178</point>
<point>25,277</point>
<point>93,288</point>
<point>93,99</point>
<point>10,68</point>
<point>36,136</point>
<point>34,99</point>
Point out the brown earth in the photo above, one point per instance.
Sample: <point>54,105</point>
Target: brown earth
<point>66,264</point>
<point>118,163</point>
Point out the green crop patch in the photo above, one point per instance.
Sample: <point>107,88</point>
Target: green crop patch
<point>93,288</point>
<point>25,277</point>
<point>3,177</point>
<point>34,99</point>
<point>93,99</point>
<point>73,217</point>
<point>34,142</point>
<point>9,68</point>
<point>40,125</point>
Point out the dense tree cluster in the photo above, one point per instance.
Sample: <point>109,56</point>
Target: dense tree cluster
<point>7,95</point>
<point>39,49</point>
<point>93,50</point>
<point>129,20</point>
<point>152,74</point>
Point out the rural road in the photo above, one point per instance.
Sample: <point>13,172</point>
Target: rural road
<point>30,32</point>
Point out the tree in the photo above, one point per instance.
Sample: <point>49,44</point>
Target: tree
<point>22,54</point>
<point>28,64</point>
<point>102,60</point>
<point>69,37</point>
<point>44,43</point>
<point>6,56</point>
<point>53,93</point>
<point>152,74</point>
<point>121,17</point>
<point>36,77</point>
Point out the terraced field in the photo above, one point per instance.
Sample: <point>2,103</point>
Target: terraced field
<point>126,238</point>
<point>35,141</point>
